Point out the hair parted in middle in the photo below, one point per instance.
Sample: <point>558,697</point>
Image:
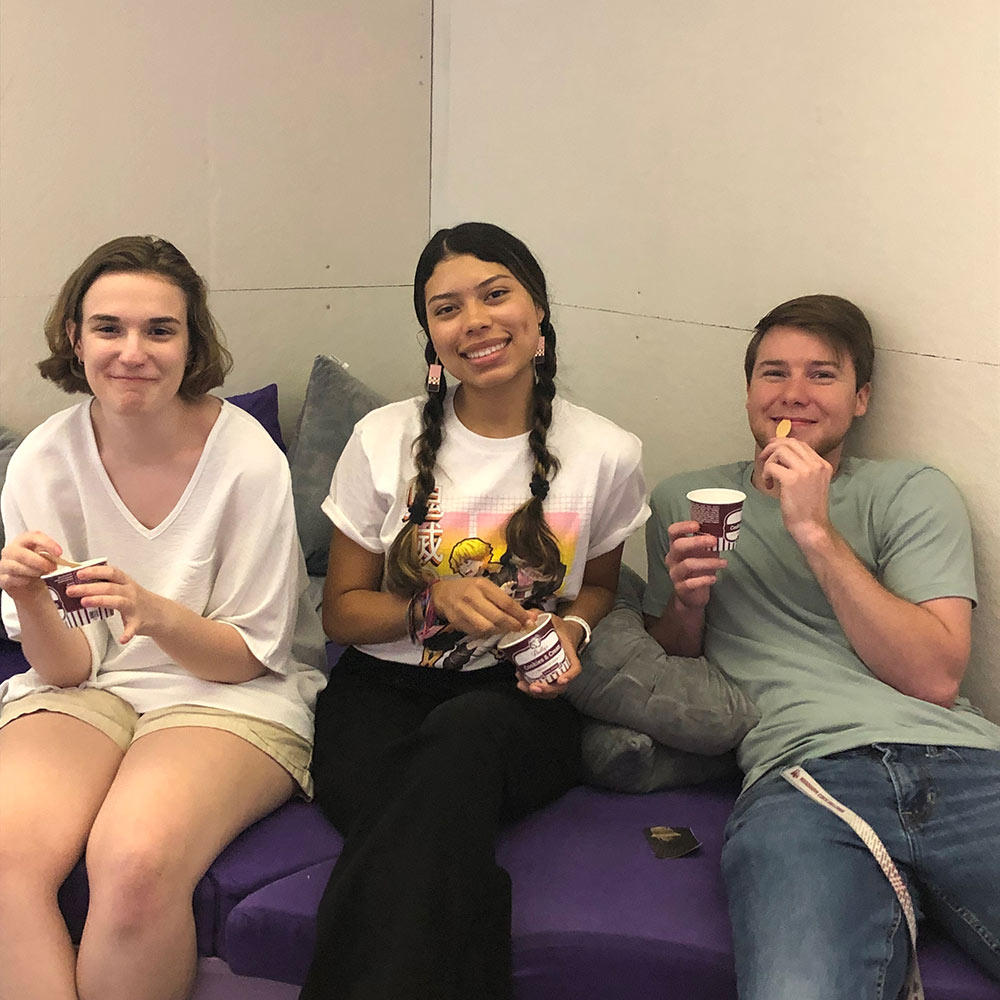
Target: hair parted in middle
<point>527,534</point>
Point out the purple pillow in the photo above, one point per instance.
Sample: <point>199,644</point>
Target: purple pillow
<point>262,404</point>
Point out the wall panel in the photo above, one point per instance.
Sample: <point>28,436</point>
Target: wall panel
<point>282,148</point>
<point>681,168</point>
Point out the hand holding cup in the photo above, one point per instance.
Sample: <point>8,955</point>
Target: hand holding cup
<point>104,589</point>
<point>543,655</point>
<point>693,562</point>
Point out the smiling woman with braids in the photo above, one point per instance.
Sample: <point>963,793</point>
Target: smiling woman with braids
<point>425,738</point>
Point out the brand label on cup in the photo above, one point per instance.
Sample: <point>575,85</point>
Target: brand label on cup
<point>720,513</point>
<point>71,610</point>
<point>536,653</point>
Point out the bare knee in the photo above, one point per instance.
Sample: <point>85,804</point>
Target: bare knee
<point>135,879</point>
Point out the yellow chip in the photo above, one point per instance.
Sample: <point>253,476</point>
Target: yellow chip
<point>784,426</point>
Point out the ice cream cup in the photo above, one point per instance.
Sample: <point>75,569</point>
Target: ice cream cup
<point>71,610</point>
<point>719,512</point>
<point>536,652</point>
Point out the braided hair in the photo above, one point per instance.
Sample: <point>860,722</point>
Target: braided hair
<point>527,533</point>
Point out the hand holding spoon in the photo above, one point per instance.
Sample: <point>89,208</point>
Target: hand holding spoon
<point>67,563</point>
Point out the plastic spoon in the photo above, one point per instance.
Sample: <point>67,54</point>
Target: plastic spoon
<point>68,563</point>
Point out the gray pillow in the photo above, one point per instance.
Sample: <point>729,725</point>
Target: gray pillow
<point>335,401</point>
<point>682,702</point>
<point>626,760</point>
<point>8,442</point>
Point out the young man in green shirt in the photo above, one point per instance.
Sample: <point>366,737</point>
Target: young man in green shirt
<point>844,612</point>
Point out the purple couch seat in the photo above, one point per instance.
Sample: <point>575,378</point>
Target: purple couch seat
<point>594,912</point>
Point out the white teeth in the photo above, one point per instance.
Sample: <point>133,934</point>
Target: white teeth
<point>485,352</point>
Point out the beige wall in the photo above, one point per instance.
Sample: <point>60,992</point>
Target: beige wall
<point>680,168</point>
<point>283,147</point>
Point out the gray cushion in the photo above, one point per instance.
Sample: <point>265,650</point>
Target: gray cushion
<point>626,760</point>
<point>681,702</point>
<point>8,442</point>
<point>655,721</point>
<point>335,401</point>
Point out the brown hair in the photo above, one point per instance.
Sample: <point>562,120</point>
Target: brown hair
<point>208,361</point>
<point>839,322</point>
<point>527,534</point>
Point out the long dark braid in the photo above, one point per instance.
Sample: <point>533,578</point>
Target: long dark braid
<point>527,534</point>
<point>405,574</point>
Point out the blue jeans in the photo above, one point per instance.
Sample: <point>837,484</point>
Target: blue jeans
<point>813,916</point>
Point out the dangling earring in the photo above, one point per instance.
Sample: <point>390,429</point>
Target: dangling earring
<point>76,367</point>
<point>540,349</point>
<point>434,375</point>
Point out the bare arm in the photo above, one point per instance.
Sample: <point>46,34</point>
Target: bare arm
<point>597,592</point>
<point>210,650</point>
<point>921,650</point>
<point>355,610</point>
<point>693,565</point>
<point>60,655</point>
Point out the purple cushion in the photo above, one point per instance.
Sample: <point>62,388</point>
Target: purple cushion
<point>594,912</point>
<point>294,837</point>
<point>262,404</point>
<point>271,933</point>
<point>12,660</point>
<point>74,898</point>
<point>592,904</point>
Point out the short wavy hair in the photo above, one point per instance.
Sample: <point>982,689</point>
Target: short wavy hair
<point>208,360</point>
<point>836,320</point>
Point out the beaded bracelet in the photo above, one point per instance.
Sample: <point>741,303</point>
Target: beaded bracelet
<point>422,619</point>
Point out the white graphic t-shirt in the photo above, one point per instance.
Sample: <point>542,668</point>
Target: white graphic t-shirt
<point>595,501</point>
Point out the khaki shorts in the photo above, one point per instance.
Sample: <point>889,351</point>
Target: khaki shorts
<point>119,721</point>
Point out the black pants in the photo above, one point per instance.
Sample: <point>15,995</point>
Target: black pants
<point>417,767</point>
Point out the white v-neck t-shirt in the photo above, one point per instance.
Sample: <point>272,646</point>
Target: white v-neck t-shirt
<point>227,551</point>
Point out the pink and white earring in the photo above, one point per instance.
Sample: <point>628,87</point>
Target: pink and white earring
<point>540,350</point>
<point>434,376</point>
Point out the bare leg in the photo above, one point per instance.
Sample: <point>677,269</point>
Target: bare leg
<point>180,796</point>
<point>54,773</point>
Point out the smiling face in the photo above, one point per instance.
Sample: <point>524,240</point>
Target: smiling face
<point>132,341</point>
<point>800,377</point>
<point>482,322</point>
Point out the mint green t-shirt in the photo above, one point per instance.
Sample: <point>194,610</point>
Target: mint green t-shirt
<point>770,627</point>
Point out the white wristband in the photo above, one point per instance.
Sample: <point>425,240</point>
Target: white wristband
<point>585,641</point>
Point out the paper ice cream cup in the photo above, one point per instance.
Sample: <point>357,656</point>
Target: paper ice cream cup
<point>71,610</point>
<point>537,653</point>
<point>719,512</point>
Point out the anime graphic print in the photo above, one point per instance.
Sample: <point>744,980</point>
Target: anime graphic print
<point>472,544</point>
